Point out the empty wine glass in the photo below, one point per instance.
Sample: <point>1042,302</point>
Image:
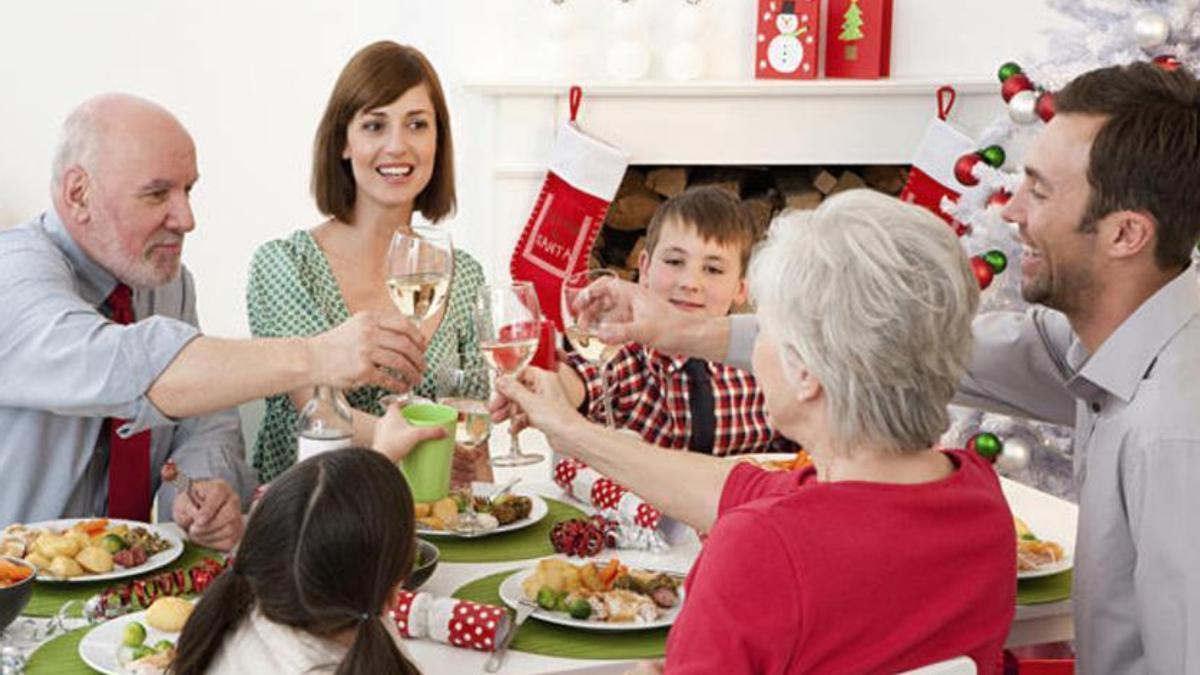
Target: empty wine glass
<point>420,266</point>
<point>508,324</point>
<point>581,332</point>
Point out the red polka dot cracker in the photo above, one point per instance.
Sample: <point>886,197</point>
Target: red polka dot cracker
<point>606,494</point>
<point>476,626</point>
<point>647,516</point>
<point>565,472</point>
<point>411,611</point>
<point>636,522</point>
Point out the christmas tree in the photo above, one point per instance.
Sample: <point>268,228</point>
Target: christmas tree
<point>852,30</point>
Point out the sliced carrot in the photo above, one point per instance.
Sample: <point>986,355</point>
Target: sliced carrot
<point>94,527</point>
<point>610,572</point>
<point>13,572</point>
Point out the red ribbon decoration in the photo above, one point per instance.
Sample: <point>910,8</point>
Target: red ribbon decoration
<point>945,101</point>
<point>576,97</point>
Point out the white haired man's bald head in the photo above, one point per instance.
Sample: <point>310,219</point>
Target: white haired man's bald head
<point>90,127</point>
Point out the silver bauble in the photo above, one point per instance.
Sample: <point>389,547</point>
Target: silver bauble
<point>1151,29</point>
<point>1015,456</point>
<point>1022,107</point>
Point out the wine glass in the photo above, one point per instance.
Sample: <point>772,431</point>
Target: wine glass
<point>465,390</point>
<point>420,266</point>
<point>581,332</point>
<point>508,324</point>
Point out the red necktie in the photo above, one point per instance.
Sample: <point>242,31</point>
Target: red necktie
<point>128,458</point>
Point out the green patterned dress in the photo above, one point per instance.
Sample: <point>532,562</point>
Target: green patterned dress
<point>292,292</point>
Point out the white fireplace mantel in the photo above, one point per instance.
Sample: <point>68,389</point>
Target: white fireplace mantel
<point>715,122</point>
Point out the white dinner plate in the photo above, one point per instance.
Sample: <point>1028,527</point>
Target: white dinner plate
<point>511,593</point>
<point>100,646</point>
<point>1046,570</point>
<point>160,559</point>
<point>537,511</point>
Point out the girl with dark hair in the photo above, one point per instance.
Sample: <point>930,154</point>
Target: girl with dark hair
<point>323,554</point>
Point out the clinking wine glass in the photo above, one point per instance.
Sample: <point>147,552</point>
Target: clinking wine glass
<point>420,267</point>
<point>508,324</point>
<point>581,330</point>
<point>466,390</point>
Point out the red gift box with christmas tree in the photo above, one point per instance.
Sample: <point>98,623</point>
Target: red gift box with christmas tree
<point>858,41</point>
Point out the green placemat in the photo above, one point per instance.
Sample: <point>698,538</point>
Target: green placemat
<point>1044,589</point>
<point>59,656</point>
<point>539,637</point>
<point>523,544</point>
<point>48,597</point>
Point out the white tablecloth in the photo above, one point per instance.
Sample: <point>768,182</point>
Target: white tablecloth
<point>1049,516</point>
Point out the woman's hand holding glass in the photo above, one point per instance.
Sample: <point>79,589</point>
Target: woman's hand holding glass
<point>535,399</point>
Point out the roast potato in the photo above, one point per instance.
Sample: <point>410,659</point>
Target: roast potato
<point>65,568</point>
<point>55,545</point>
<point>95,560</point>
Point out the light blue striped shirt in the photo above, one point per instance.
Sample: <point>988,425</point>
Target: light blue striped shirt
<point>64,367</point>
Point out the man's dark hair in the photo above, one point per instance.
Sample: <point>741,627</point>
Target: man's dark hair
<point>1146,156</point>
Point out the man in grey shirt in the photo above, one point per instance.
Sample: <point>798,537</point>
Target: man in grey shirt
<point>121,210</point>
<point>1109,215</point>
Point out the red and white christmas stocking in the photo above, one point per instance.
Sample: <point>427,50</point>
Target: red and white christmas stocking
<point>581,181</point>
<point>931,178</point>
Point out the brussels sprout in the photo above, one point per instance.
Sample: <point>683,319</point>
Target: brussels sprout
<point>141,652</point>
<point>134,635</point>
<point>163,645</point>
<point>112,543</point>
<point>548,598</point>
<point>580,609</point>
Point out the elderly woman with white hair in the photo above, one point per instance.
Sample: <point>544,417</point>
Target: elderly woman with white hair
<point>889,553</point>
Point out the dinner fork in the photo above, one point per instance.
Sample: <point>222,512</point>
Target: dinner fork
<point>182,482</point>
<point>524,609</point>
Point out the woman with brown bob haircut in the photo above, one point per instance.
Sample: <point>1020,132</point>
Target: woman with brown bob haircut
<point>383,151</point>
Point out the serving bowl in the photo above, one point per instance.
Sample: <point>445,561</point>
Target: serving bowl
<point>14,598</point>
<point>426,562</point>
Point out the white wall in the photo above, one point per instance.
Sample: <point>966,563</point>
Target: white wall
<point>249,78</point>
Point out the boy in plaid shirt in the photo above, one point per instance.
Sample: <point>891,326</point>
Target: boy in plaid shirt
<point>698,246</point>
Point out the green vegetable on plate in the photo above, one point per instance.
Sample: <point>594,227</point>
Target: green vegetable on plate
<point>134,635</point>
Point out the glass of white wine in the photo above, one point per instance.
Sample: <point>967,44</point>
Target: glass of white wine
<point>466,390</point>
<point>420,266</point>
<point>581,332</point>
<point>508,325</point>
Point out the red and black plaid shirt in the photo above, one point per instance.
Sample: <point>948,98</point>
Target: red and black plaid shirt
<point>651,398</point>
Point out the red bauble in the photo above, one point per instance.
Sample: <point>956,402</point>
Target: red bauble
<point>983,271</point>
<point>999,198</point>
<point>1014,85</point>
<point>964,166</point>
<point>1045,106</point>
<point>1167,62</point>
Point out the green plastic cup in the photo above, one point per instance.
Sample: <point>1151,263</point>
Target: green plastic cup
<point>427,467</point>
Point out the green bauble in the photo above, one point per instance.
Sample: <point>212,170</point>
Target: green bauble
<point>993,155</point>
<point>997,260</point>
<point>987,444</point>
<point>1008,70</point>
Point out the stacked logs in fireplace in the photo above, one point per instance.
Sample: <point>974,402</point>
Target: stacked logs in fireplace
<point>764,191</point>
